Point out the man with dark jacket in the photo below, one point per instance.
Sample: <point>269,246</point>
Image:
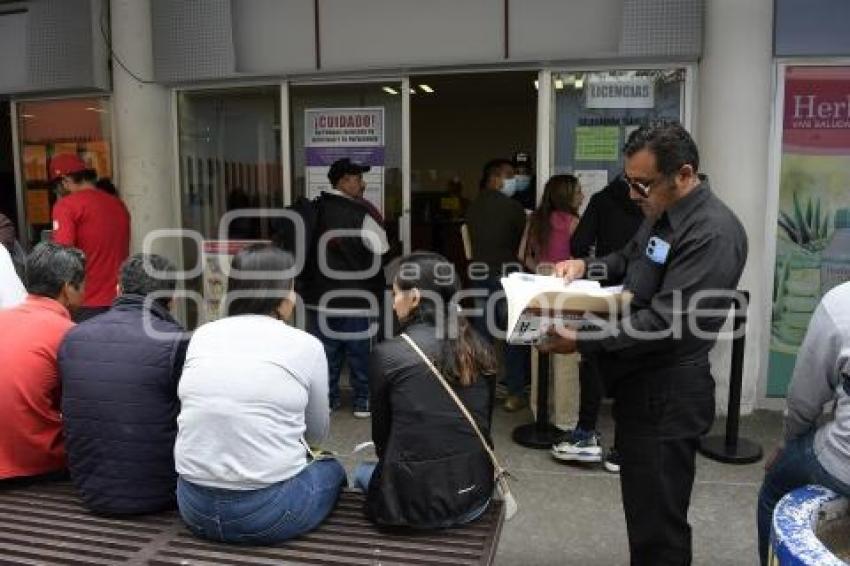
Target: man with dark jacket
<point>607,225</point>
<point>119,376</point>
<point>344,294</point>
<point>496,224</point>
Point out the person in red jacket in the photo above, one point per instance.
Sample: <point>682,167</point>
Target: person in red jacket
<point>95,222</point>
<point>31,435</point>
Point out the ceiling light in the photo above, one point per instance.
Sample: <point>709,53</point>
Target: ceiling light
<point>27,115</point>
<point>579,84</point>
<point>559,84</point>
<point>426,88</point>
<point>390,90</point>
<point>412,90</point>
<point>536,85</point>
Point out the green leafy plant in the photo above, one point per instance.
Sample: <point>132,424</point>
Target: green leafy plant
<point>808,230</point>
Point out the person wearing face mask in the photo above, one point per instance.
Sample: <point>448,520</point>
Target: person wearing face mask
<point>524,186</point>
<point>496,225</point>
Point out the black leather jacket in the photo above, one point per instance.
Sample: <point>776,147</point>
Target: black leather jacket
<point>432,468</point>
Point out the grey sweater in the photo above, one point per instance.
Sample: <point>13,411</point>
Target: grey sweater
<point>822,375</point>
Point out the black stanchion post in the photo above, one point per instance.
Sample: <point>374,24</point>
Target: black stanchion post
<point>540,433</point>
<point>729,448</point>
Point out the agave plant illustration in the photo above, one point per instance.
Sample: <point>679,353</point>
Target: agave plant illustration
<point>808,230</point>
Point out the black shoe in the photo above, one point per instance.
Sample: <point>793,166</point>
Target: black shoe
<point>612,461</point>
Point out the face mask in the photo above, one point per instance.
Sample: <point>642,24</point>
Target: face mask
<point>509,187</point>
<point>522,182</point>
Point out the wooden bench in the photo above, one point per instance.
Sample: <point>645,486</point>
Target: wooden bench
<point>46,524</point>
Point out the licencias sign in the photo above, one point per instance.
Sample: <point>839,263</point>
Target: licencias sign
<point>632,92</point>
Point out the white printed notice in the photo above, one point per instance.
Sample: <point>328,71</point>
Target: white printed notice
<point>335,133</point>
<point>537,302</point>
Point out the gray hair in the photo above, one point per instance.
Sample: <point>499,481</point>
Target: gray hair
<point>139,276</point>
<point>50,266</point>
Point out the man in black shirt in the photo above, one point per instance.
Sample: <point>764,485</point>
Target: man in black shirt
<point>686,257</point>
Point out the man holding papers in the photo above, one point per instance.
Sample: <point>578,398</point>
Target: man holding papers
<point>680,268</point>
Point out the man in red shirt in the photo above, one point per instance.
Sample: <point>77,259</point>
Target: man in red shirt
<point>95,222</point>
<point>31,435</point>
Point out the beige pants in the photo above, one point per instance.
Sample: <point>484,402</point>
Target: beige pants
<point>563,388</point>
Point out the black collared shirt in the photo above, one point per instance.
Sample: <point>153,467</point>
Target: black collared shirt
<point>707,253</point>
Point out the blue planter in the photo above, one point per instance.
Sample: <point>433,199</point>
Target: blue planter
<point>793,541</point>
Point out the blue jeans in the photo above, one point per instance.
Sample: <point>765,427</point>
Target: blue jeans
<point>517,357</point>
<point>338,349</point>
<point>363,475</point>
<point>795,467</point>
<point>264,516</point>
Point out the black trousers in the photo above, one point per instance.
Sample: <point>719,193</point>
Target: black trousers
<point>591,392</point>
<point>659,419</point>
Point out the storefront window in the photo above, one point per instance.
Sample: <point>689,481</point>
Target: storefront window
<point>50,127</point>
<point>813,224</point>
<point>229,157</point>
<point>596,111</point>
<point>229,161</point>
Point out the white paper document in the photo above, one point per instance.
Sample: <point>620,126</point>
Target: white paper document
<point>536,302</point>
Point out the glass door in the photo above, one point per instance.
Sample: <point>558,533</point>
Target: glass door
<point>362,122</point>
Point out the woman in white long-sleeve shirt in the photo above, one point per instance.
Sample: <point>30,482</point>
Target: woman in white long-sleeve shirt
<point>254,392</point>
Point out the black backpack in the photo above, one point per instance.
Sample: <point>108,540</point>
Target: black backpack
<point>284,237</point>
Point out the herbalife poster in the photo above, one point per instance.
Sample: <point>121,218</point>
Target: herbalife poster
<point>813,232</point>
<point>334,133</point>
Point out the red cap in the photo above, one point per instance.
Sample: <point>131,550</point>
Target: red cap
<point>65,164</point>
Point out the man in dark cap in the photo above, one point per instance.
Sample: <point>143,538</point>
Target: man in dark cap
<point>344,297</point>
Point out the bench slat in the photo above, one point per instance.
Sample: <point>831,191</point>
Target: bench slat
<point>47,524</point>
<point>56,556</point>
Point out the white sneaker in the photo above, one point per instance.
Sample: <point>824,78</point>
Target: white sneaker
<point>361,411</point>
<point>612,461</point>
<point>579,446</point>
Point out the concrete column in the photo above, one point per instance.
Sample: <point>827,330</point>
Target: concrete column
<point>143,129</point>
<point>733,129</point>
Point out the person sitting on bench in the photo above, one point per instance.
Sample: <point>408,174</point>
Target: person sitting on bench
<point>31,434</point>
<point>432,469</point>
<point>813,453</point>
<point>119,373</point>
<point>254,393</point>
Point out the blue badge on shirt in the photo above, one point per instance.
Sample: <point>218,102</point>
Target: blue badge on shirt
<point>657,250</point>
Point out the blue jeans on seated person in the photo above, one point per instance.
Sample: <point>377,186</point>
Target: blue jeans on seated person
<point>796,466</point>
<point>363,475</point>
<point>264,516</point>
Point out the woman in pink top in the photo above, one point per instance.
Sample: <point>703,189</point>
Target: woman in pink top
<point>553,224</point>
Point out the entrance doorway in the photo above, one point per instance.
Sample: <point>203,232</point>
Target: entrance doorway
<point>458,123</point>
